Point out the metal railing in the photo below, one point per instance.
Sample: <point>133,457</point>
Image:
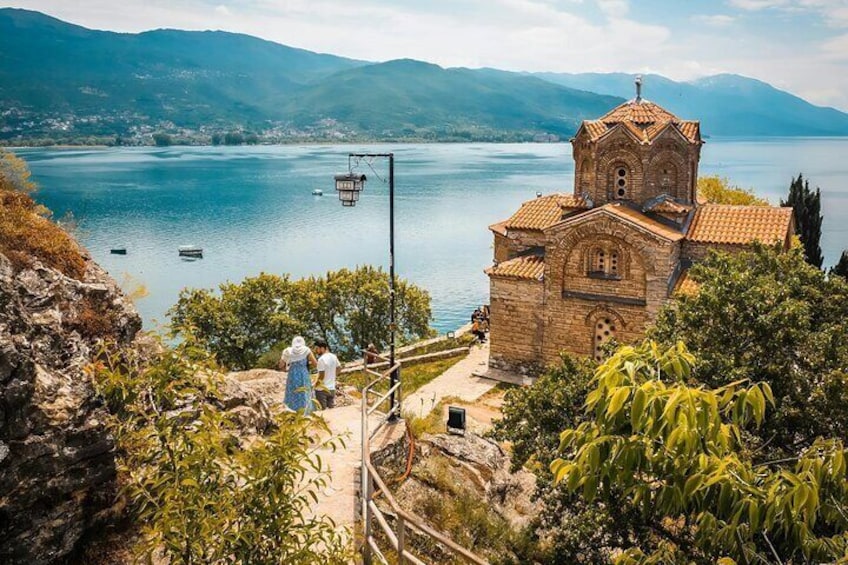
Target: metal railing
<point>404,521</point>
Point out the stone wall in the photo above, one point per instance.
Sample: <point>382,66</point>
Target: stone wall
<point>575,302</point>
<point>515,329</point>
<point>57,465</point>
<point>502,252</point>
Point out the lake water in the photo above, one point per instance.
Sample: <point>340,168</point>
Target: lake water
<point>251,208</point>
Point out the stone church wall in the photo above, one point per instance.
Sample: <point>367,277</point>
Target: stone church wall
<point>515,330</point>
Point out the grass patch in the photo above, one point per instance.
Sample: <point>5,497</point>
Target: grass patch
<point>443,345</point>
<point>413,376</point>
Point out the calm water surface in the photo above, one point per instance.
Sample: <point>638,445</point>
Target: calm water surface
<point>251,208</point>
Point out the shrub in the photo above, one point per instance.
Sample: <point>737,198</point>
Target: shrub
<point>26,232</point>
<point>717,190</point>
<point>199,492</point>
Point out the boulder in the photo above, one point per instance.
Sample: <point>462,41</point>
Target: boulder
<point>57,468</point>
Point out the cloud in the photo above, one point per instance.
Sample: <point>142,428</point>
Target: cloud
<point>223,10</point>
<point>717,20</point>
<point>754,5</point>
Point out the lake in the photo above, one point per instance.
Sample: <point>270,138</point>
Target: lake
<point>251,208</point>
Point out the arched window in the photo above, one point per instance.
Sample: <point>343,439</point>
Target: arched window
<point>605,262</point>
<point>599,261</point>
<point>621,182</point>
<point>604,331</point>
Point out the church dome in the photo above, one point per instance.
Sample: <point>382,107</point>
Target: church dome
<point>645,119</point>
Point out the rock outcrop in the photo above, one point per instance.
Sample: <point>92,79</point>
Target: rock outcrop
<point>57,467</point>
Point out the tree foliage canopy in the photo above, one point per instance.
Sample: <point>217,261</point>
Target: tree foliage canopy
<point>841,267</point>
<point>767,316</point>
<point>200,492</point>
<point>719,190</point>
<point>347,308</point>
<point>806,206</point>
<point>676,452</point>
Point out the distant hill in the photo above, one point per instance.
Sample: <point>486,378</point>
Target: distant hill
<point>725,104</point>
<point>191,78</point>
<point>66,83</point>
<point>405,96</point>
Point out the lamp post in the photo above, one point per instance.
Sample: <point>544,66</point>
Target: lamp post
<point>349,186</point>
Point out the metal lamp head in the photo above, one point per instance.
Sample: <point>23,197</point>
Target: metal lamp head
<point>349,185</point>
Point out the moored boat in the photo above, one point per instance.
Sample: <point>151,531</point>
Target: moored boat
<point>191,251</point>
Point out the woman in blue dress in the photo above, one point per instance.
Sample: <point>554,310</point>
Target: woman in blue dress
<point>298,359</point>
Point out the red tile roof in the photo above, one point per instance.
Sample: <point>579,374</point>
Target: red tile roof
<point>499,228</point>
<point>741,225</point>
<point>530,267</point>
<point>671,207</point>
<point>643,119</point>
<point>539,213</point>
<point>638,218</point>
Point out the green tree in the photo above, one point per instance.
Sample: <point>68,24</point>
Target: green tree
<point>806,206</point>
<point>676,453</point>
<point>719,190</point>
<point>233,138</point>
<point>217,139</point>
<point>198,490</point>
<point>769,316</point>
<point>162,139</point>
<point>241,322</point>
<point>347,308</point>
<point>841,267</point>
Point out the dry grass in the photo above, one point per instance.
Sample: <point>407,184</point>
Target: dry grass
<point>26,232</point>
<point>94,320</point>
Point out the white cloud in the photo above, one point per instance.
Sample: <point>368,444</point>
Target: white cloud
<point>753,5</point>
<point>223,10</point>
<point>718,20</point>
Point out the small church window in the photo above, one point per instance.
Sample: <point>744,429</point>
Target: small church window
<point>604,331</point>
<point>604,262</point>
<point>621,182</point>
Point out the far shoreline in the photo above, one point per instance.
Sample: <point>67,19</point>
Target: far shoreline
<point>66,147</point>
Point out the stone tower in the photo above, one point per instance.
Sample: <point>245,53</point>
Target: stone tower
<point>637,152</point>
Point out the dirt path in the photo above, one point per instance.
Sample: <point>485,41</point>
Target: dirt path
<point>458,381</point>
<point>338,499</point>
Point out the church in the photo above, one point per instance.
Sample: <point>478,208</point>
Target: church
<point>572,271</point>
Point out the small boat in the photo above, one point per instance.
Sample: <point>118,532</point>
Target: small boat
<point>118,251</point>
<point>191,251</point>
<point>317,192</point>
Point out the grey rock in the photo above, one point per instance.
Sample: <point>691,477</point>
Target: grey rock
<point>57,466</point>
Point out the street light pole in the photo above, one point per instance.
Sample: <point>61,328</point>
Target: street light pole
<point>393,402</point>
<point>394,411</point>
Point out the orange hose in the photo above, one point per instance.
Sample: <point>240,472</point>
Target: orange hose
<point>409,458</point>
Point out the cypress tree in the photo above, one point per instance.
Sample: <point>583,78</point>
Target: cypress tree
<point>806,206</point>
<point>841,268</point>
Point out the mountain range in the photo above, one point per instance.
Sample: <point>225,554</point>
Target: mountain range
<point>60,81</point>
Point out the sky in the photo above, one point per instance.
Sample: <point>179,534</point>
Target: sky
<point>796,45</point>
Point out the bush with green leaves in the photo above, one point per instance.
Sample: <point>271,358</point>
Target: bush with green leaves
<point>347,308</point>
<point>676,453</point>
<point>769,316</point>
<point>199,491</point>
